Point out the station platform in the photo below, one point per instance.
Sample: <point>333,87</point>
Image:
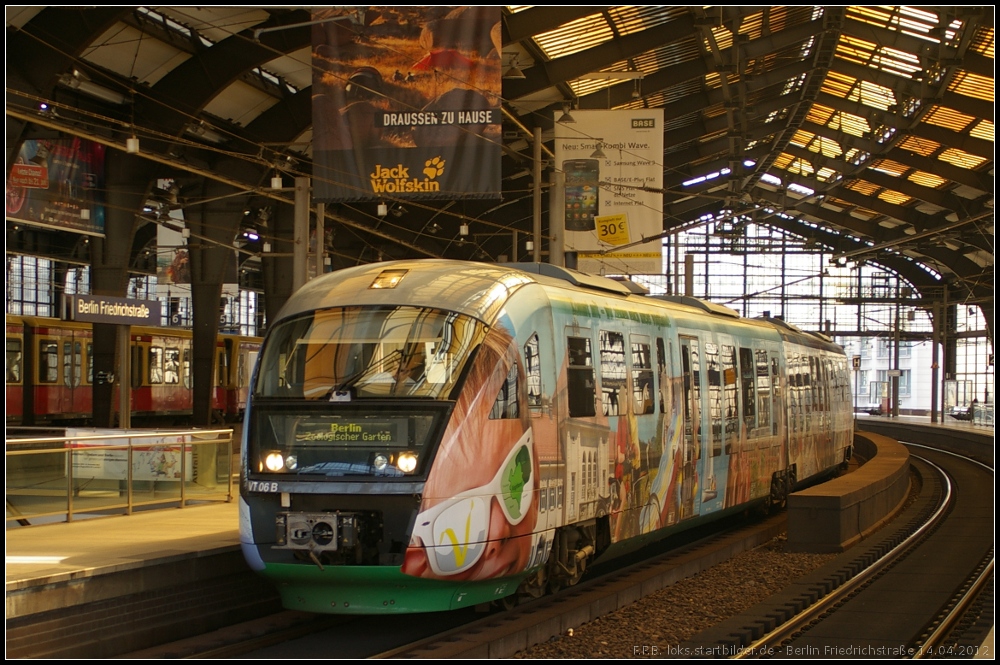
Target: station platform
<point>98,588</point>
<point>57,554</point>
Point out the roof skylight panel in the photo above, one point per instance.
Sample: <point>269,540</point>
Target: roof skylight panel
<point>575,36</point>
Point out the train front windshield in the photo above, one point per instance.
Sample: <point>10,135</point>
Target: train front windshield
<point>357,390</point>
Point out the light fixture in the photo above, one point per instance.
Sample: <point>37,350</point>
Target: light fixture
<point>463,230</point>
<point>205,132</point>
<point>78,81</point>
<point>85,213</point>
<point>513,72</point>
<point>132,145</point>
<point>383,210</point>
<point>566,117</point>
<point>598,152</point>
<point>636,91</point>
<point>276,181</point>
<point>529,246</point>
<point>398,211</point>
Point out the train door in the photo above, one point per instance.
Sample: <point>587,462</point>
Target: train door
<point>582,437</point>
<point>693,433</point>
<point>48,376</point>
<point>72,361</point>
<point>14,370</point>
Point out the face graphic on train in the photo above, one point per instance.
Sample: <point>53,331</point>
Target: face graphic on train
<point>480,501</point>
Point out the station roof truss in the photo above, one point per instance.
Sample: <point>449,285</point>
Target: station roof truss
<point>869,129</point>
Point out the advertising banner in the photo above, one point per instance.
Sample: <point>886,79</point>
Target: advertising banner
<point>58,184</point>
<point>173,263</point>
<point>608,157</point>
<point>153,457</point>
<point>406,103</point>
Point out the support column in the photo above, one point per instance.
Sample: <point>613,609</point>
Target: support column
<point>127,180</point>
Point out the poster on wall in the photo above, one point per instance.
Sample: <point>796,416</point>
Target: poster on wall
<point>610,160</point>
<point>173,263</point>
<point>406,103</point>
<point>58,184</point>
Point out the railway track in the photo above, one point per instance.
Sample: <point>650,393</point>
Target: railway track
<point>890,597</point>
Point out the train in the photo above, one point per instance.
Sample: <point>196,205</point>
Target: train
<point>429,435</point>
<point>50,373</point>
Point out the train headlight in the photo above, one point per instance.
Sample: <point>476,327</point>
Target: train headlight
<point>407,462</point>
<point>291,462</point>
<point>274,462</point>
<point>380,462</point>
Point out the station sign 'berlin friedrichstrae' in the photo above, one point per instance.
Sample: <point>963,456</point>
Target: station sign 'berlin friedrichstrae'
<point>106,309</point>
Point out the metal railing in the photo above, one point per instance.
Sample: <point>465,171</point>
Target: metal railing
<point>104,472</point>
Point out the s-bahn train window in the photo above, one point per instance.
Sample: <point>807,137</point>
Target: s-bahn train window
<point>155,365</point>
<point>612,372</point>
<point>171,366</point>
<point>581,391</point>
<point>505,405</point>
<point>13,360</point>
<point>221,368</point>
<point>186,368</point>
<point>72,363</point>
<point>533,370</point>
<point>747,392</point>
<point>642,376</point>
<point>90,363</point>
<point>48,361</point>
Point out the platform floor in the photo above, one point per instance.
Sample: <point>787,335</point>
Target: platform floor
<point>54,553</point>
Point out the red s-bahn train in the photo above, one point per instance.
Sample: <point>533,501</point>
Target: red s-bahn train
<point>50,373</point>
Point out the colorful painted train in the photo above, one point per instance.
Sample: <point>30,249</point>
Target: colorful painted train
<point>429,435</point>
<point>50,373</point>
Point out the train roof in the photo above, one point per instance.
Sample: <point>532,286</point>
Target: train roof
<point>481,290</point>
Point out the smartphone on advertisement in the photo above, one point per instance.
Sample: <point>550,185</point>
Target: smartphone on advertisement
<point>581,193</point>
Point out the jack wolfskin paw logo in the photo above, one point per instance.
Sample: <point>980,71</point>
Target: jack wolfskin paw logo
<point>434,167</point>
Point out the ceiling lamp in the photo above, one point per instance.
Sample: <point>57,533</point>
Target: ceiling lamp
<point>566,117</point>
<point>513,72</point>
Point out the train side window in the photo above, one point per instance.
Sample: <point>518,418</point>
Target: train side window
<point>714,374</point>
<point>642,376</point>
<point>748,392</point>
<point>186,368</point>
<point>241,368</point>
<point>13,360</point>
<point>48,361</point>
<point>661,366</point>
<point>77,363</point>
<point>763,390</point>
<point>90,363</point>
<point>776,383</point>
<point>729,396</point>
<point>533,369</point>
<point>581,390</point>
<point>222,365</point>
<point>505,406</point>
<point>136,366</point>
<point>155,365</point>
<point>171,366</point>
<point>612,371</point>
<point>67,355</point>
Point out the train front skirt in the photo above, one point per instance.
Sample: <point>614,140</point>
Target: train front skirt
<point>378,589</point>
